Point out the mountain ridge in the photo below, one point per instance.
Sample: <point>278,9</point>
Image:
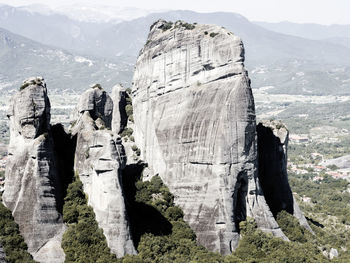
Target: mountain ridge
<point>21,56</point>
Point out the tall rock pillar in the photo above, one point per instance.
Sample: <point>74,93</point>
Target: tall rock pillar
<point>32,186</point>
<point>195,123</point>
<point>99,158</point>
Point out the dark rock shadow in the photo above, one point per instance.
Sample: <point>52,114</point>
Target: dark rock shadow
<point>123,115</point>
<point>272,171</point>
<point>240,194</point>
<point>143,218</point>
<point>314,222</point>
<point>64,147</point>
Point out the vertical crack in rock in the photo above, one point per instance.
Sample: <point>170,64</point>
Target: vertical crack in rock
<point>272,152</point>
<point>99,158</point>
<point>33,188</point>
<point>195,123</point>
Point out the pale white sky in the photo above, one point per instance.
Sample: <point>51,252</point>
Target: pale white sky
<point>301,11</point>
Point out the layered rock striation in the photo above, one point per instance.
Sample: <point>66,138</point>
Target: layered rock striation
<point>195,123</point>
<point>33,188</point>
<point>273,151</point>
<point>99,158</point>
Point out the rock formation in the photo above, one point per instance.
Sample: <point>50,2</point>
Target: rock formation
<point>195,123</point>
<point>32,189</point>
<point>119,119</point>
<point>272,152</point>
<point>99,157</point>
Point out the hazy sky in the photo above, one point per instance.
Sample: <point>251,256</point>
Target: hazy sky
<point>310,11</point>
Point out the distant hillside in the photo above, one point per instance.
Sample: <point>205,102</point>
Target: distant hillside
<point>308,30</point>
<point>21,57</point>
<point>337,34</point>
<point>285,63</point>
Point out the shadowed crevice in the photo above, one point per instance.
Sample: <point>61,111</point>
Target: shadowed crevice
<point>272,171</point>
<point>64,147</point>
<point>143,218</point>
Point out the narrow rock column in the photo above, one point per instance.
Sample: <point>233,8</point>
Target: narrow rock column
<point>119,119</point>
<point>32,185</point>
<point>99,158</point>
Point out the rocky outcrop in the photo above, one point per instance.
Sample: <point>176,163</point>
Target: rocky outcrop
<point>32,186</point>
<point>99,158</point>
<point>2,255</point>
<point>195,123</point>
<point>272,152</point>
<point>119,120</point>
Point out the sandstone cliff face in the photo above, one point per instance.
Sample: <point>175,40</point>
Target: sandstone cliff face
<point>32,187</point>
<point>272,152</point>
<point>195,123</point>
<point>99,158</point>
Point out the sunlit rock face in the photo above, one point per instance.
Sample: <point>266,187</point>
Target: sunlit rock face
<point>99,158</point>
<point>32,186</point>
<point>195,123</point>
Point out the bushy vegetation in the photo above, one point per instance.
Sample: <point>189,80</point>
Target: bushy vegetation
<point>328,197</point>
<point>129,110</point>
<point>257,246</point>
<point>185,25</point>
<point>301,153</point>
<point>83,241</point>
<point>328,210</point>
<point>291,228</point>
<point>177,244</point>
<point>127,132</point>
<point>11,239</point>
<point>136,149</point>
<point>161,233</point>
<point>167,26</point>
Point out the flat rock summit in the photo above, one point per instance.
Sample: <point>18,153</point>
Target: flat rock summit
<point>194,125</point>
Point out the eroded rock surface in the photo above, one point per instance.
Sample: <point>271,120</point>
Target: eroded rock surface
<point>272,152</point>
<point>195,123</point>
<point>99,105</point>
<point>99,157</point>
<point>32,186</point>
